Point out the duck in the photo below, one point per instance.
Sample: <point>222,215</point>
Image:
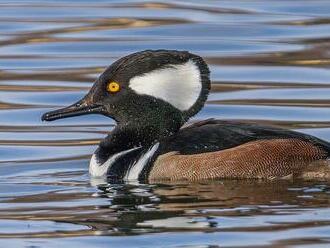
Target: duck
<point>151,95</point>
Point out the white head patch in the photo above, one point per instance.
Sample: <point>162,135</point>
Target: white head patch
<point>180,85</point>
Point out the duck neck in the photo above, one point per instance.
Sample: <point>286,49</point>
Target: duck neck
<point>139,132</point>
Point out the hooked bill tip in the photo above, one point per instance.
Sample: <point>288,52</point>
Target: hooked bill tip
<point>46,117</point>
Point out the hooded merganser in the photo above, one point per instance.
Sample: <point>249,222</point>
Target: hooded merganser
<point>151,94</point>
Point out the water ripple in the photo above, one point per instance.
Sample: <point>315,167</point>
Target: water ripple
<point>269,63</point>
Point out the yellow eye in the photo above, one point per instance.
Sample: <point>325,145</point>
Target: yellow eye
<point>113,87</point>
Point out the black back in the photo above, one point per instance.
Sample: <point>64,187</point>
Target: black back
<point>213,135</point>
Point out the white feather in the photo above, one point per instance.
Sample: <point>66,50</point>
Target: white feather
<point>98,170</point>
<point>179,85</point>
<point>134,172</point>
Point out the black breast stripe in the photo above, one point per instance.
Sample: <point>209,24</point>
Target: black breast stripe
<point>122,164</point>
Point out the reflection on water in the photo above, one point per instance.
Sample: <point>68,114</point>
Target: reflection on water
<point>270,63</point>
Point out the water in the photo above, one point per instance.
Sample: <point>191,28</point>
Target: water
<point>270,63</point>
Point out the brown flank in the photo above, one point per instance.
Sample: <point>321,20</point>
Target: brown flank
<point>267,159</point>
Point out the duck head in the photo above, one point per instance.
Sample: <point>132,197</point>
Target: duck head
<point>162,88</point>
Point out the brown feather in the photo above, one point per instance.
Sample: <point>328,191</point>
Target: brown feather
<point>273,158</point>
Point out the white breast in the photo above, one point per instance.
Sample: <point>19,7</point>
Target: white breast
<point>134,172</point>
<point>99,170</point>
